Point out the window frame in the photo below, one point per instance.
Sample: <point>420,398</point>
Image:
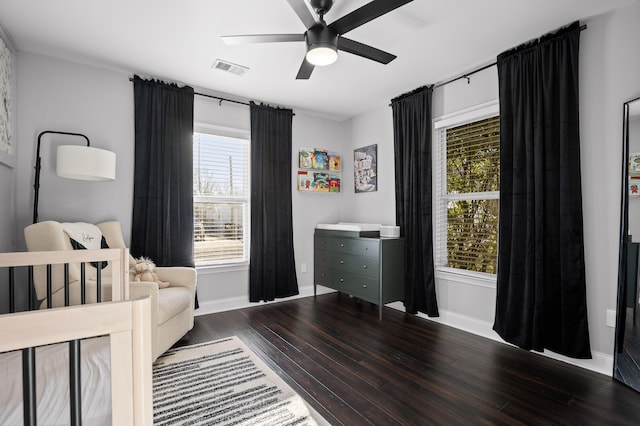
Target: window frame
<point>229,132</point>
<point>440,198</point>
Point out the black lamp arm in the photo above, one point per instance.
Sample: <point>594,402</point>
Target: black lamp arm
<point>36,184</point>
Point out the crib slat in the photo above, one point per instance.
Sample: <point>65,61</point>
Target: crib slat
<point>66,284</point>
<point>31,287</point>
<point>29,386</point>
<point>12,291</point>
<point>83,283</point>
<point>99,284</point>
<point>49,302</point>
<point>75,384</point>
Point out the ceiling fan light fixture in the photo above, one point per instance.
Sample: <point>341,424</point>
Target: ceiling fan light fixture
<point>324,40</point>
<point>322,55</point>
<point>322,45</point>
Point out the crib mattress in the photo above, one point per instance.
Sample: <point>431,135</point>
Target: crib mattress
<point>52,384</point>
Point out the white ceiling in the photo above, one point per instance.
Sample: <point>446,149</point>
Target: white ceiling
<point>179,40</point>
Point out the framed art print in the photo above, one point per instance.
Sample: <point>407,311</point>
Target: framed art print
<point>365,168</point>
<point>7,150</point>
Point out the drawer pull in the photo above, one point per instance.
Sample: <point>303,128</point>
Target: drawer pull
<point>341,245</point>
<point>364,266</point>
<point>323,274</point>
<point>323,242</point>
<point>364,286</point>
<point>366,248</point>
<point>341,280</point>
<point>342,262</point>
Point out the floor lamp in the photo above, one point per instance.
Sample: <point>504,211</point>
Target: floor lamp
<point>76,162</point>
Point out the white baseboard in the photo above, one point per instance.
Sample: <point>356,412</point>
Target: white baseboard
<point>240,302</point>
<point>600,363</point>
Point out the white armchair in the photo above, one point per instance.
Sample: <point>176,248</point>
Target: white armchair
<point>172,307</point>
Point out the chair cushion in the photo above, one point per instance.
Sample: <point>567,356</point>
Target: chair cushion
<point>172,301</point>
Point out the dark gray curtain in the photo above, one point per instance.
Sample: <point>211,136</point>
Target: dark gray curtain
<point>541,295</point>
<point>272,272</point>
<point>412,149</point>
<point>162,227</point>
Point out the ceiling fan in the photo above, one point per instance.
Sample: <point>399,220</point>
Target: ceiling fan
<point>324,41</point>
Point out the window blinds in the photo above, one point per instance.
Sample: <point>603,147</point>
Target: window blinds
<point>467,177</point>
<point>221,199</point>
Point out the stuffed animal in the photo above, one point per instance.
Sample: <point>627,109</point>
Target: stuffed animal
<point>144,270</point>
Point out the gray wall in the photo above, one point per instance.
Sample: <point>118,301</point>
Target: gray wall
<point>7,202</point>
<point>7,208</point>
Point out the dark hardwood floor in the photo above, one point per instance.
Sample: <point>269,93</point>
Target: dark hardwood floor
<point>410,371</point>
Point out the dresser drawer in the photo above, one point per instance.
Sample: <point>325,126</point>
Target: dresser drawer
<point>360,246</point>
<point>324,257</point>
<point>322,275</point>
<point>361,286</point>
<point>364,265</point>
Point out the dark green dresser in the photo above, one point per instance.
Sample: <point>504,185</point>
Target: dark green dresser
<point>369,268</point>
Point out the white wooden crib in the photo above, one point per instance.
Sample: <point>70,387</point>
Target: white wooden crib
<point>125,323</point>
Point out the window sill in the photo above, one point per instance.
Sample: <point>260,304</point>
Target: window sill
<point>479,279</point>
<point>221,269</point>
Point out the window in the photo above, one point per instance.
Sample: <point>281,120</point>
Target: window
<point>220,199</point>
<point>467,191</point>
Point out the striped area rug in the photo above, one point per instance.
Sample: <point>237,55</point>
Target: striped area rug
<point>224,383</point>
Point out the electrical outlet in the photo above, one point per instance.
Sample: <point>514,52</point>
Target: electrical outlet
<point>303,268</point>
<point>610,320</point>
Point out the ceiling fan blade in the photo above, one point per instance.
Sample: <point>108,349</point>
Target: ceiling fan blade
<point>261,38</point>
<point>305,70</point>
<point>366,51</point>
<point>301,9</point>
<point>365,14</point>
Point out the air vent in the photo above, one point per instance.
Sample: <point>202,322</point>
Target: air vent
<point>229,67</point>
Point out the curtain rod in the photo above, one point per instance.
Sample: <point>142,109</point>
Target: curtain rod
<point>466,75</point>
<point>482,68</point>
<point>219,98</point>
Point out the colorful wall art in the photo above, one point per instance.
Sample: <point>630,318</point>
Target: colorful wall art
<point>318,182</point>
<point>634,174</point>
<point>320,168</point>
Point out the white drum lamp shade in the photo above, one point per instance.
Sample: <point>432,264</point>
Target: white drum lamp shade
<point>85,163</point>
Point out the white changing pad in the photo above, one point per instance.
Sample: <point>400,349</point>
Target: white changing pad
<point>349,226</point>
<point>52,384</point>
